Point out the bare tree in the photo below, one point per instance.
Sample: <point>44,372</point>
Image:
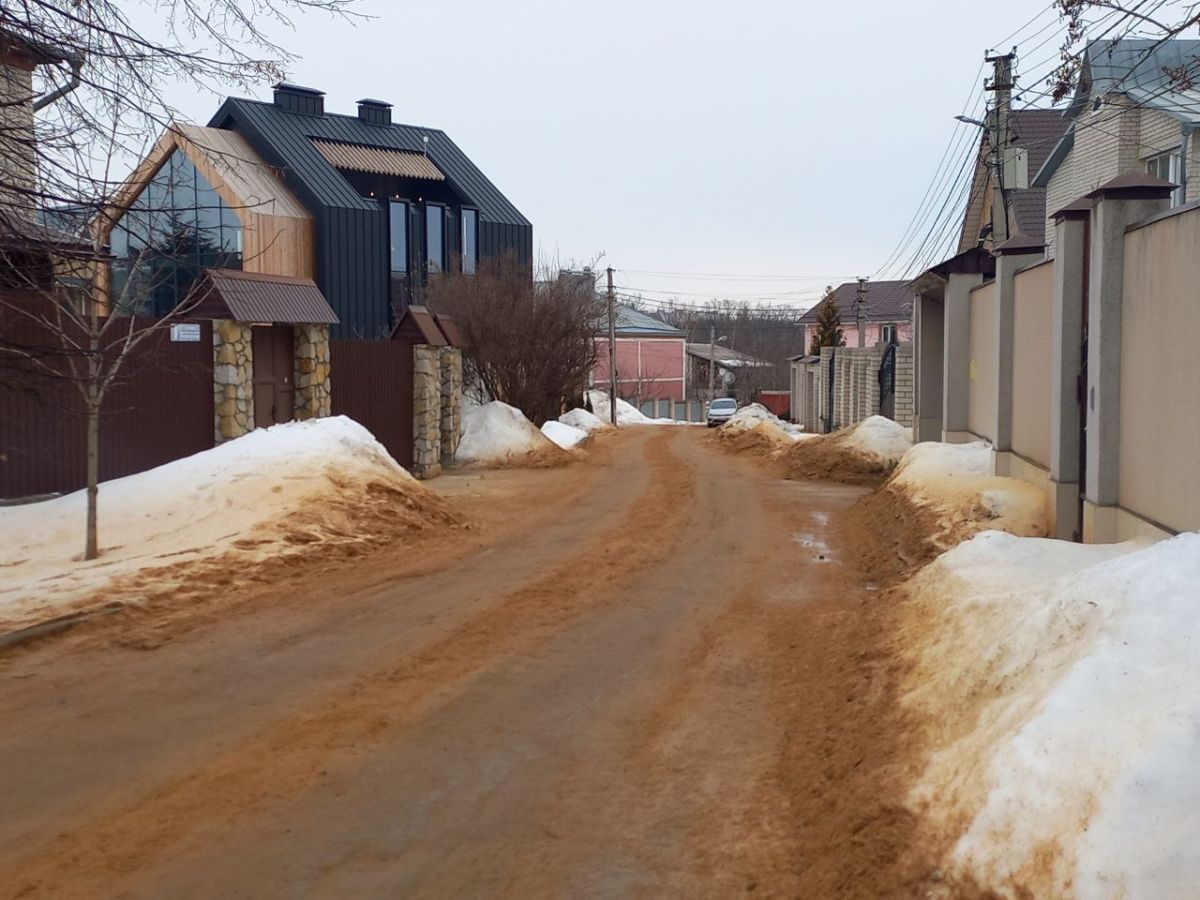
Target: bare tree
<point>87,112</point>
<point>529,343</point>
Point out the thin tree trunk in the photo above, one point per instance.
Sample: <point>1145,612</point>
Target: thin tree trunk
<point>92,405</point>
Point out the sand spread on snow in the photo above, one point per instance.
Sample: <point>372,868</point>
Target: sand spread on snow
<point>318,488</point>
<point>864,452</point>
<point>497,434</point>
<point>1059,681</point>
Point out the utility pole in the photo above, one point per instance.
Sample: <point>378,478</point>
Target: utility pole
<point>1001,85</point>
<point>860,311</point>
<point>712,362</point>
<point>612,351</point>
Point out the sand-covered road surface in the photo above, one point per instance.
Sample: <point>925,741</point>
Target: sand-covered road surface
<point>655,673</point>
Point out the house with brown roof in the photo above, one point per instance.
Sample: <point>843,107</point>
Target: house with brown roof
<point>886,309</point>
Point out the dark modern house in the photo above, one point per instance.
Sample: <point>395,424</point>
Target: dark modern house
<point>391,205</point>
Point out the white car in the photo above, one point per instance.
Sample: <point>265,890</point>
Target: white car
<point>721,410</point>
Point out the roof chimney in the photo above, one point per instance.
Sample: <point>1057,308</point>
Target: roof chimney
<point>297,99</point>
<point>375,112</point>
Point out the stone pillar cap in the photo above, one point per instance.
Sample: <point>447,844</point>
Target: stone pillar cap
<point>1019,243</point>
<point>1080,209</point>
<point>1134,185</point>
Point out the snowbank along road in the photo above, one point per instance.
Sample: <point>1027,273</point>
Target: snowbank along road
<point>648,674</point>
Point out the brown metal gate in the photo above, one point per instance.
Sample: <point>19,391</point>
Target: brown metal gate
<point>160,409</point>
<point>372,383</point>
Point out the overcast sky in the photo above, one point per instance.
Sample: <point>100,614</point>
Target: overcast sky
<point>786,144</point>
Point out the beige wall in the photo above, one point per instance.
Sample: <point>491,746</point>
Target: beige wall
<point>1032,304</point>
<point>1160,426</point>
<point>982,393</point>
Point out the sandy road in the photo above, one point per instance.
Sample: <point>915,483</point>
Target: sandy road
<point>644,677</point>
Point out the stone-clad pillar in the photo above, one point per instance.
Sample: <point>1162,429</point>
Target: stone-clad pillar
<point>312,372</point>
<point>451,402</point>
<point>233,380</point>
<point>427,418</point>
<point>1120,203</point>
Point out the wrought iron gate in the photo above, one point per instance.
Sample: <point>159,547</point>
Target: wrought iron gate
<point>887,383</point>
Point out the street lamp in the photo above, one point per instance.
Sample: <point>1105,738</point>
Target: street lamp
<point>969,121</point>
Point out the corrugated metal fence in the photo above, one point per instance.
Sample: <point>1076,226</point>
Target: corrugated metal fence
<point>372,383</point>
<point>148,418</point>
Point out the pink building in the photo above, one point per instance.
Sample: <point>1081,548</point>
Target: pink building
<point>887,308</point>
<point>651,358</point>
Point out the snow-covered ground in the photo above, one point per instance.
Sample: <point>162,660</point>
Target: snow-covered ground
<point>627,413</point>
<point>878,436</point>
<point>1063,681</point>
<point>566,436</point>
<point>292,485</point>
<point>583,420</point>
<point>498,434</point>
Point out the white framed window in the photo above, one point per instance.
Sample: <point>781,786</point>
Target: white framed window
<point>1167,166</point>
<point>887,335</point>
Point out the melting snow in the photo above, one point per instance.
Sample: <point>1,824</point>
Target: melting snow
<point>566,436</point>
<point>497,432</point>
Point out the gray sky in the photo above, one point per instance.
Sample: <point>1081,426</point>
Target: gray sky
<point>785,144</point>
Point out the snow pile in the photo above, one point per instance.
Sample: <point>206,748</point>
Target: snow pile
<point>753,415</point>
<point>497,434</point>
<point>1060,684</point>
<point>627,413</point>
<point>311,489</point>
<point>866,451</point>
<point>566,436</point>
<point>583,420</point>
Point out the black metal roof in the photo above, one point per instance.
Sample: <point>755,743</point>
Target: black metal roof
<point>289,137</point>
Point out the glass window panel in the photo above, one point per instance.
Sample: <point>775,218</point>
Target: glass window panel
<point>470,241</point>
<point>434,243</point>
<point>398,227</point>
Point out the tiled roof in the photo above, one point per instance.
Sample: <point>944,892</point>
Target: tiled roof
<point>252,297</point>
<point>887,301</point>
<point>1037,131</point>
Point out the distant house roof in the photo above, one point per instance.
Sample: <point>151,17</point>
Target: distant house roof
<point>886,301</point>
<point>631,321</point>
<point>252,297</point>
<point>727,357</point>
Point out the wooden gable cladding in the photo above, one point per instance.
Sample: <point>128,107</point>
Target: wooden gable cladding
<point>277,231</point>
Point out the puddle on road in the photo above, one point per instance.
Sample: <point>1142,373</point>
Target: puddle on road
<point>810,541</point>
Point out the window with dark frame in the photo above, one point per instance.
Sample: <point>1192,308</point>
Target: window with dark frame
<point>470,241</point>
<point>398,230</point>
<point>435,238</point>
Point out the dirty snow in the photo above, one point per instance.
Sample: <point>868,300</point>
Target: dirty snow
<point>879,436</point>
<point>566,436</point>
<point>1063,681</point>
<point>193,507</point>
<point>583,420</point>
<point>958,480</point>
<point>497,433</point>
<point>754,414</point>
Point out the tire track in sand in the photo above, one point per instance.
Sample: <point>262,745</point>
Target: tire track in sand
<point>100,857</point>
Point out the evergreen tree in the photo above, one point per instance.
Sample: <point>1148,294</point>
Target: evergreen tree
<point>829,326</point>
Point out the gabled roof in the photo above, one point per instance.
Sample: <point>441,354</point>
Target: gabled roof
<point>1138,68</point>
<point>253,297</point>
<point>727,357</point>
<point>290,137</point>
<point>633,321</point>
<point>886,301</point>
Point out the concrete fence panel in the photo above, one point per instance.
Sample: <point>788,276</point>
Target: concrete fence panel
<point>1032,351</point>
<point>1160,380</point>
<point>983,367</point>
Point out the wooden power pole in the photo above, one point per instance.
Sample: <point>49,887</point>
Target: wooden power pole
<point>612,351</point>
<point>1002,86</point>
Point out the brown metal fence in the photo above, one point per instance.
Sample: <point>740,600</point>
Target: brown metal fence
<point>160,409</point>
<point>372,383</point>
